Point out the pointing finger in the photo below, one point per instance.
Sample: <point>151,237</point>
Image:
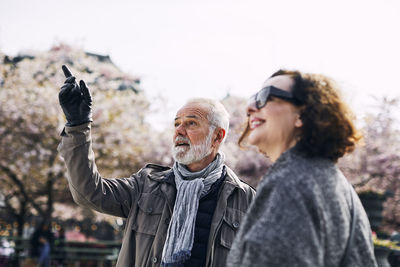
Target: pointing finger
<point>70,80</point>
<point>66,71</point>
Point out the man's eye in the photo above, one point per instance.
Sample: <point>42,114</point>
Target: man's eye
<point>192,123</point>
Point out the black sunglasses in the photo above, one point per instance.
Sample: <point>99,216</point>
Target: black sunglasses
<point>260,99</point>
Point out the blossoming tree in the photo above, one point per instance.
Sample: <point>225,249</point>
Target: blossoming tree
<point>375,165</point>
<point>32,175</point>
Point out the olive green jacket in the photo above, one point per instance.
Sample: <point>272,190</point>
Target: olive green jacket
<point>146,200</point>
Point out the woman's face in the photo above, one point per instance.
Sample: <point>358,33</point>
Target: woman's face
<point>274,127</point>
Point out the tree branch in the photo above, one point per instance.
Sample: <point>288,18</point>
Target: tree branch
<point>20,185</point>
<point>365,180</point>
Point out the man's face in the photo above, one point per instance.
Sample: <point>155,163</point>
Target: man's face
<point>192,138</point>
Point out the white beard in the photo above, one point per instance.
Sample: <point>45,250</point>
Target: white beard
<point>186,156</point>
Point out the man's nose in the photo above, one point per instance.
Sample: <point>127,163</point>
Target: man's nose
<point>180,130</point>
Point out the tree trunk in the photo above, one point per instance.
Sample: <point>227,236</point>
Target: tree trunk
<point>50,200</point>
<point>21,218</point>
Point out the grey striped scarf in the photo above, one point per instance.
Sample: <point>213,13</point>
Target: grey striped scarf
<point>191,186</point>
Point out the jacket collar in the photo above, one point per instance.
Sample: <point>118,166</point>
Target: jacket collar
<point>232,179</point>
<point>160,173</point>
<point>167,176</point>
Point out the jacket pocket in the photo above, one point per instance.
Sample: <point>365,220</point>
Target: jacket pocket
<point>150,208</point>
<point>230,225</point>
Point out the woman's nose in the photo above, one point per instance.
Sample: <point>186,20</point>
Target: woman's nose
<point>251,104</point>
<point>251,107</point>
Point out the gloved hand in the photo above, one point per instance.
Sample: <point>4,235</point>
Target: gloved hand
<point>75,100</point>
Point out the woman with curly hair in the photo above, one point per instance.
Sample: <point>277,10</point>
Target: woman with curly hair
<point>305,212</point>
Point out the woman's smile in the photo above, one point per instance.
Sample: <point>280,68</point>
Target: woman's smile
<point>256,122</point>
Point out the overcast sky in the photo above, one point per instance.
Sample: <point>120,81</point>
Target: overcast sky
<point>183,49</point>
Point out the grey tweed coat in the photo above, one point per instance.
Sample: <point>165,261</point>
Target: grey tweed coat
<point>301,216</point>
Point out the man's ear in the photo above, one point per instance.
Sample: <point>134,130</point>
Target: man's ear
<point>220,136</point>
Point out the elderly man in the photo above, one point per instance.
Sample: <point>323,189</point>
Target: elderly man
<point>186,215</point>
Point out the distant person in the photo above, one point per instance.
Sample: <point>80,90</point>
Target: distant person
<point>186,215</point>
<point>41,242</point>
<point>59,246</point>
<point>305,209</point>
<point>6,250</point>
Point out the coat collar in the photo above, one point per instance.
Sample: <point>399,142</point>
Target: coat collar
<point>166,175</point>
<point>232,179</point>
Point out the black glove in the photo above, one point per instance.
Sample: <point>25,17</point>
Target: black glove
<point>75,100</point>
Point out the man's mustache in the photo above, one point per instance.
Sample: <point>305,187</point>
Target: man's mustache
<point>182,139</point>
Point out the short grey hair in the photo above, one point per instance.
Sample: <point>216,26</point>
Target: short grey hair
<point>218,117</point>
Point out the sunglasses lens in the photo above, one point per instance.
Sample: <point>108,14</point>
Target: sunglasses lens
<point>262,98</point>
<point>260,103</point>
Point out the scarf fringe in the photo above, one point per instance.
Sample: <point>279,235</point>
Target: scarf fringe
<point>178,259</point>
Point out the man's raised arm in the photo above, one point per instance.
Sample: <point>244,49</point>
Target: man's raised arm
<point>88,188</point>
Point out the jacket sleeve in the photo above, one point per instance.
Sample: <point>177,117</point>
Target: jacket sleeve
<point>286,232</point>
<point>88,188</point>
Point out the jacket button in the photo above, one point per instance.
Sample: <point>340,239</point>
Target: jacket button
<point>154,259</point>
<point>236,224</point>
<point>167,221</point>
<point>150,210</point>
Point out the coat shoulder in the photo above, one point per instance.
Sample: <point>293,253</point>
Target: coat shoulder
<point>248,190</point>
<point>152,169</point>
<point>156,167</point>
<point>153,172</point>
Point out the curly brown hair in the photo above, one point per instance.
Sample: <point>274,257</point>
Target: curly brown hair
<point>328,130</point>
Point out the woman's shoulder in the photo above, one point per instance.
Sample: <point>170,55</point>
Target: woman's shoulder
<point>294,173</point>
